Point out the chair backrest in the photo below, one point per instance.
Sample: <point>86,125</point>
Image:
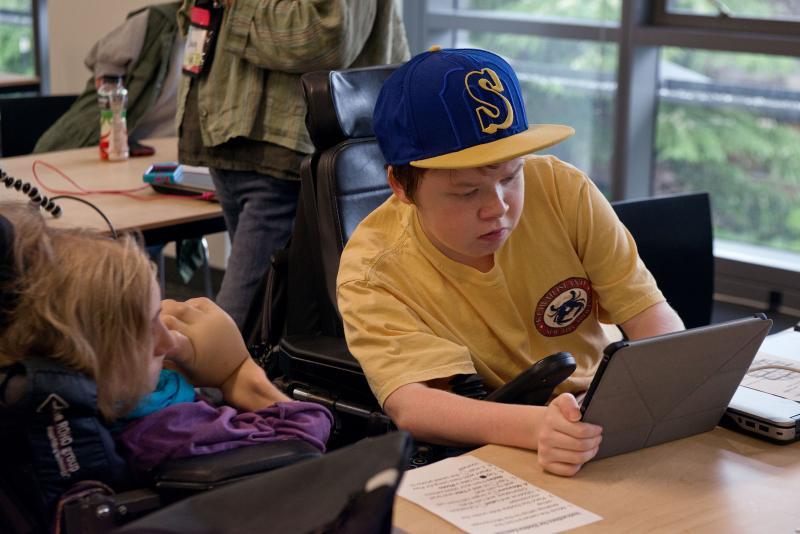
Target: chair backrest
<point>341,183</point>
<point>674,236</point>
<point>24,119</point>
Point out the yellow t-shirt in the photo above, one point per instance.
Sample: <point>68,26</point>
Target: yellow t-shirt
<point>411,314</point>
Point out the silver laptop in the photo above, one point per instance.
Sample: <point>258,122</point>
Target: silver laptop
<point>767,403</point>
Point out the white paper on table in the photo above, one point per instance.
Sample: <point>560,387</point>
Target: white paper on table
<point>479,497</point>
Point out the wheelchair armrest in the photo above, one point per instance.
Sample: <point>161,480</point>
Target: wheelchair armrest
<point>324,362</point>
<point>322,350</point>
<point>202,473</point>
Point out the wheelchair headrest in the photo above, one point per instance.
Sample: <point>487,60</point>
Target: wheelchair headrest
<point>340,103</point>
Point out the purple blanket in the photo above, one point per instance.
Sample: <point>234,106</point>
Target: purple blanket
<point>195,428</point>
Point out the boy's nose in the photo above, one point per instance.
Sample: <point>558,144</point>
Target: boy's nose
<point>495,206</point>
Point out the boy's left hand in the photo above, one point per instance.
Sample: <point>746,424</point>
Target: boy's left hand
<point>564,442</point>
<point>209,345</point>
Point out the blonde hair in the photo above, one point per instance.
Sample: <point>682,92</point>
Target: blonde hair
<point>83,300</point>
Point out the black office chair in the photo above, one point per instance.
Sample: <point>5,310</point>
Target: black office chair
<point>675,237</point>
<point>24,119</point>
<point>341,183</point>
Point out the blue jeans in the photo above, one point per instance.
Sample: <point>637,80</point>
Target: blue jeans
<point>259,213</point>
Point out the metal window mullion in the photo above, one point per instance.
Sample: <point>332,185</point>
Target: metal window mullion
<point>636,105</point>
<point>415,22</point>
<point>727,24</point>
<point>725,41</point>
<point>455,20</point>
<point>15,18</point>
<point>41,45</point>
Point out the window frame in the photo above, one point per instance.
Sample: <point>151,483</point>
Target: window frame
<point>40,81</point>
<point>663,17</point>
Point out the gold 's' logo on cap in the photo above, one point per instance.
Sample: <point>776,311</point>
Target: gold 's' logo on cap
<point>490,116</point>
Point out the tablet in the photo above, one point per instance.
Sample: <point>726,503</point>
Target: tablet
<point>663,388</point>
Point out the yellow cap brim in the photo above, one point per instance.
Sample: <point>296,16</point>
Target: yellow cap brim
<point>535,138</point>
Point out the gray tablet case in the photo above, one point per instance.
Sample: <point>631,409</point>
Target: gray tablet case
<point>672,386</point>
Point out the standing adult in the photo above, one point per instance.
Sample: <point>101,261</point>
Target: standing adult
<point>241,110</point>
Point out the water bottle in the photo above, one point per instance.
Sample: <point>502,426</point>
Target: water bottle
<point>113,99</point>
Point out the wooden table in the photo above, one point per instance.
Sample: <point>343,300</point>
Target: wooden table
<point>719,481</point>
<point>160,220</point>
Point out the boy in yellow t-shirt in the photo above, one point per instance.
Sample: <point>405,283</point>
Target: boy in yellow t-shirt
<point>485,259</point>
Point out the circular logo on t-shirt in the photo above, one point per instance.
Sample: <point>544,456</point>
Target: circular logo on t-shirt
<point>564,307</point>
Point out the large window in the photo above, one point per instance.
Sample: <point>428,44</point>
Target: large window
<point>16,38</point>
<point>730,124</point>
<point>20,55</point>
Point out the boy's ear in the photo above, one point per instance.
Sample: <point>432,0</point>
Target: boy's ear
<point>397,189</point>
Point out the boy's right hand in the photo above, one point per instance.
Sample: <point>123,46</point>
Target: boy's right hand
<point>564,442</point>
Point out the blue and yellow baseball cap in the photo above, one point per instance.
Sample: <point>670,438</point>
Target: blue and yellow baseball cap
<point>457,108</point>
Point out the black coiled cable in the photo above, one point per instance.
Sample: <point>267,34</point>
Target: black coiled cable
<point>33,193</point>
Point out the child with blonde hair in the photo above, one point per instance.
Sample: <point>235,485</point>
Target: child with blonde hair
<point>85,337</point>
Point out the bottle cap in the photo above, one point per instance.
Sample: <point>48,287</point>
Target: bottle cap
<point>112,78</point>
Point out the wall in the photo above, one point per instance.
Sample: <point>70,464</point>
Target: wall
<point>73,26</point>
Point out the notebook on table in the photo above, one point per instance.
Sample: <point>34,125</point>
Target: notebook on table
<point>767,402</point>
<point>655,390</point>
